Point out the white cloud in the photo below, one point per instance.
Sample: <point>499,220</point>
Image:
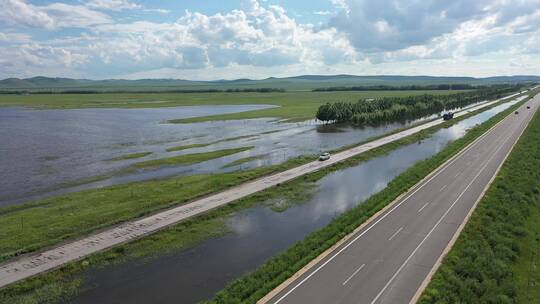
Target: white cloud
<point>33,59</point>
<point>416,23</point>
<point>114,5</point>
<point>255,36</point>
<point>258,40</point>
<point>322,13</point>
<point>157,10</point>
<point>52,16</point>
<point>15,38</point>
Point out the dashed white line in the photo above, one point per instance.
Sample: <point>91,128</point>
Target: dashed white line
<point>443,187</point>
<point>458,174</point>
<point>395,233</point>
<point>353,274</point>
<point>420,210</point>
<point>438,222</point>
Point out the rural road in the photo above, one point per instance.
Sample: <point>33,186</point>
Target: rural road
<point>32,264</point>
<point>392,257</point>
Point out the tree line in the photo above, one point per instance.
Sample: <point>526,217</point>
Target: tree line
<point>391,109</point>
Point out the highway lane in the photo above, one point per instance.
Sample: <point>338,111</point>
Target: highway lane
<point>388,260</point>
<point>33,264</point>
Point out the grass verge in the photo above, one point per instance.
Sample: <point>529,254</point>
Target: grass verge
<point>496,258</point>
<point>255,285</point>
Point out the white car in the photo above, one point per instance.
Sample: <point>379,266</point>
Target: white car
<point>324,156</point>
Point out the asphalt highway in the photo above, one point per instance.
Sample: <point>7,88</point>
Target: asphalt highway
<point>390,259</point>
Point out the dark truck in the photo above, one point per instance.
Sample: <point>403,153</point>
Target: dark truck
<point>448,116</point>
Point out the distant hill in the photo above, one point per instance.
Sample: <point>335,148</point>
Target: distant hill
<point>302,82</point>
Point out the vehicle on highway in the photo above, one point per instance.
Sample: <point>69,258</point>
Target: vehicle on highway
<point>517,112</point>
<point>324,156</point>
<point>448,116</point>
<point>528,107</point>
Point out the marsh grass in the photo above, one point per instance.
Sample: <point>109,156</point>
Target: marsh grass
<point>130,156</point>
<point>186,159</point>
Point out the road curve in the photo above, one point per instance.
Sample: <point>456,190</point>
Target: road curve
<point>391,259</point>
<point>33,264</point>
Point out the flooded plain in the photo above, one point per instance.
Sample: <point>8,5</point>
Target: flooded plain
<point>50,152</point>
<point>195,274</point>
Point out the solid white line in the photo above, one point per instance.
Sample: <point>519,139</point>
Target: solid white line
<point>420,210</point>
<point>395,233</point>
<point>458,156</point>
<point>354,273</point>
<point>438,222</point>
<point>443,187</point>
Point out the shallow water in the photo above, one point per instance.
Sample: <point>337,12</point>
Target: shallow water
<point>195,274</point>
<point>44,150</point>
<point>52,152</point>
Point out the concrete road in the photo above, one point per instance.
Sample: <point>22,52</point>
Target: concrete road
<point>33,264</point>
<point>388,260</point>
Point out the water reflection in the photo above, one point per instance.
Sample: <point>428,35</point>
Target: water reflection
<point>192,275</point>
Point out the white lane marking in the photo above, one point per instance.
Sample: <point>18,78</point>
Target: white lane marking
<point>458,155</point>
<point>353,274</point>
<point>443,187</point>
<point>438,222</point>
<point>420,210</point>
<point>458,174</point>
<point>395,233</point>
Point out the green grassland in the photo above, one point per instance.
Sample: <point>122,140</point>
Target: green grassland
<point>131,156</point>
<point>496,259</point>
<point>187,159</point>
<point>34,225</point>
<point>527,267</point>
<point>77,214</point>
<point>179,160</point>
<point>191,146</point>
<point>243,160</point>
<point>185,147</point>
<point>294,106</point>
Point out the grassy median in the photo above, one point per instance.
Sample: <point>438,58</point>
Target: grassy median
<point>496,259</point>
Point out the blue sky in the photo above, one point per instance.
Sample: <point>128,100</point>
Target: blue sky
<point>198,39</point>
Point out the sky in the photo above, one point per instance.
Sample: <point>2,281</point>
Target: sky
<point>231,39</point>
